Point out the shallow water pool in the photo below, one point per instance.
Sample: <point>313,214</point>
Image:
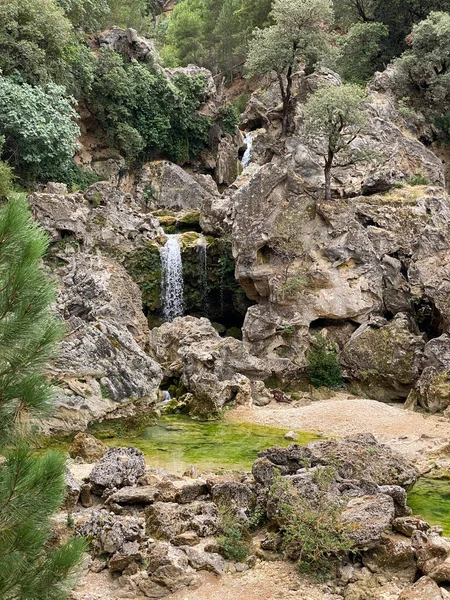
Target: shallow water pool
<point>178,442</point>
<point>430,498</point>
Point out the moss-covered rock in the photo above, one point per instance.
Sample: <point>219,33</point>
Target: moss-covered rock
<point>144,266</point>
<point>385,359</point>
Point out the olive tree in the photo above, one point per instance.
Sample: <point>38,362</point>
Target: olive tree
<point>298,33</point>
<point>425,67</point>
<point>334,118</point>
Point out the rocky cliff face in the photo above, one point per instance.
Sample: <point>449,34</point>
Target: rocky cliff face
<point>368,270</point>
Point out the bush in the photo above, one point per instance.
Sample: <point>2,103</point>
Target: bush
<point>312,534</point>
<point>38,127</point>
<point>323,364</point>
<point>418,179</point>
<point>229,118</point>
<point>235,539</point>
<point>144,114</point>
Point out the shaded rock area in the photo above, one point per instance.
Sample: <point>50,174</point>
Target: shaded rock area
<point>153,532</point>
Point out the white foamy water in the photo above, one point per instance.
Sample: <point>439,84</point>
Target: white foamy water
<point>172,279</point>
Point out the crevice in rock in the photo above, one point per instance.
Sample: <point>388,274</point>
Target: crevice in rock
<point>366,221</point>
<point>428,318</point>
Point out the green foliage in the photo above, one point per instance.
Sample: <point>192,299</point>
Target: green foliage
<point>6,176</point>
<point>38,128</point>
<point>323,364</point>
<point>313,533</point>
<point>144,115</point>
<point>31,487</point>
<point>234,541</point>
<point>28,329</point>
<point>132,13</point>
<point>424,68</point>
<point>419,179</point>
<point>212,33</point>
<point>334,118</point>
<point>34,38</point>
<point>360,51</point>
<point>297,35</point>
<point>398,16</point>
<point>87,15</point>
<point>229,118</point>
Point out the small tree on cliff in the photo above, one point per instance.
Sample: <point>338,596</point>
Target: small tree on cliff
<point>334,118</point>
<point>299,33</point>
<point>32,487</point>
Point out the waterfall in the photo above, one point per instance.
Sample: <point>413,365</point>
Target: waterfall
<point>202,253</point>
<point>247,158</point>
<point>172,279</point>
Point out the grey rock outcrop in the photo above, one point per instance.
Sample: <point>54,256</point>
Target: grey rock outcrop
<point>215,371</point>
<point>103,369</point>
<point>117,468</point>
<point>127,42</point>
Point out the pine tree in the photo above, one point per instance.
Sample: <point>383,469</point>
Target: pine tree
<point>32,487</point>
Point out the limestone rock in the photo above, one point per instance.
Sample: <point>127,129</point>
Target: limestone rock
<point>87,447</point>
<point>127,42</point>
<point>168,566</point>
<point>167,520</point>
<point>409,524</point>
<point>424,589</point>
<point>386,355</point>
<point>216,371</point>
<point>204,561</point>
<point>73,490</point>
<point>368,518</point>
<point>111,533</point>
<point>119,467</point>
<point>360,456</point>
<point>394,555</point>
<point>162,184</point>
<point>142,494</point>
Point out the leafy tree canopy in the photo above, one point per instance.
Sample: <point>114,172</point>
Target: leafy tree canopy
<point>425,67</point>
<point>38,127</point>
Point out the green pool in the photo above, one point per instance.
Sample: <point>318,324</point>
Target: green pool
<point>178,442</point>
<point>430,498</point>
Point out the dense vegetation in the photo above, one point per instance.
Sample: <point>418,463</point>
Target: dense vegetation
<point>49,63</point>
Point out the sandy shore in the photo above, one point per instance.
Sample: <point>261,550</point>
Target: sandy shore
<point>414,434</point>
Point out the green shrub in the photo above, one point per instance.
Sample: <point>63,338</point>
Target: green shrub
<point>313,534</point>
<point>235,539</point>
<point>144,114</point>
<point>6,180</point>
<point>418,179</point>
<point>323,364</point>
<point>229,118</point>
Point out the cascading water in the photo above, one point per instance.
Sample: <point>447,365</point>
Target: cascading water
<point>247,158</point>
<point>172,279</point>
<point>202,253</point>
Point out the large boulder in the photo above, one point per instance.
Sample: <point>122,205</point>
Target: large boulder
<point>165,185</point>
<point>385,357</point>
<point>87,447</point>
<point>127,42</point>
<point>215,371</point>
<point>119,467</point>
<point>167,520</point>
<point>424,589</point>
<point>432,390</point>
<point>367,518</point>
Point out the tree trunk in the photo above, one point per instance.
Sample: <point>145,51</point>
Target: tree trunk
<point>328,165</point>
<point>287,102</point>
